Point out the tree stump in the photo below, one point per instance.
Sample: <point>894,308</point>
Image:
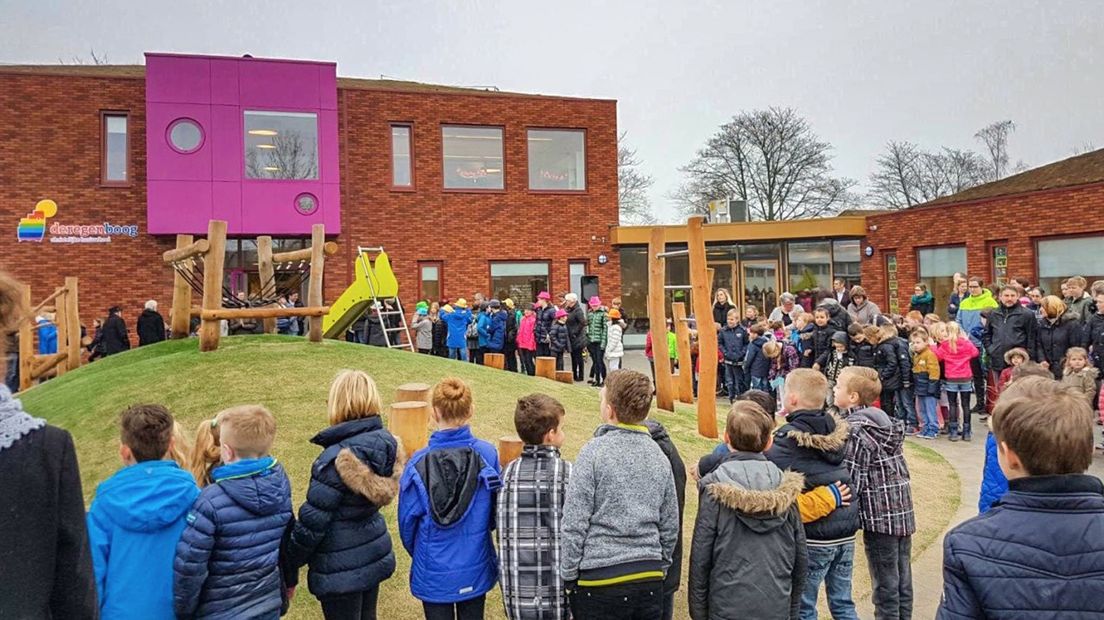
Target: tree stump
<point>546,367</point>
<point>410,423</point>
<point>414,392</point>
<point>509,449</point>
<point>494,360</point>
<point>565,376</point>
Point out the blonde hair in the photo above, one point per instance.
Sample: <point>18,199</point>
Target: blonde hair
<point>954,334</point>
<point>181,448</point>
<point>248,429</point>
<point>809,386</point>
<point>206,454</point>
<point>863,381</point>
<point>1052,306</point>
<point>915,316</point>
<point>887,332</point>
<point>938,331</point>
<point>452,400</point>
<point>1074,352</point>
<point>873,334</point>
<point>772,349</point>
<point>353,395</point>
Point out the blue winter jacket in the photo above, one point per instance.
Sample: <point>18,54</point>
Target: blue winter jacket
<point>483,326</point>
<point>1039,553</point>
<point>496,331</point>
<point>457,322</point>
<point>227,560</point>
<point>733,342</point>
<point>757,364</point>
<point>993,483</point>
<point>47,338</point>
<point>340,531</point>
<point>133,527</point>
<point>446,528</point>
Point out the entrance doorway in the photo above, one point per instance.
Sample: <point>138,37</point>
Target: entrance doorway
<point>759,285</point>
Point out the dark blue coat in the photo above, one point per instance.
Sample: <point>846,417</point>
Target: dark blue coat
<point>733,342</point>
<point>496,332</point>
<point>226,560</point>
<point>545,319</point>
<point>757,364</point>
<point>1039,553</point>
<point>340,531</point>
<point>559,339</point>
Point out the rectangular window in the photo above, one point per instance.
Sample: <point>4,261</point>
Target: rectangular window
<point>116,150</point>
<point>281,145</point>
<point>472,157</point>
<point>429,281</point>
<point>521,282</point>
<point>937,269</point>
<point>847,261</point>
<point>557,159</point>
<point>1060,259</point>
<point>634,294</point>
<point>810,268</point>
<point>575,271</point>
<point>402,162</point>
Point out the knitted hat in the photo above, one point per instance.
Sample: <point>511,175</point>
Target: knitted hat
<point>422,311</point>
<point>544,295</point>
<point>461,303</point>
<point>561,313</point>
<point>615,314</point>
<point>421,305</point>
<point>840,337</point>
<point>594,302</point>
<point>1022,352</point>
<point>495,304</point>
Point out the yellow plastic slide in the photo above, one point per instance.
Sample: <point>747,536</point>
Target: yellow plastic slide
<point>369,276</point>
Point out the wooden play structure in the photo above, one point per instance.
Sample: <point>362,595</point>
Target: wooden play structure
<point>700,287</point>
<point>65,304</point>
<point>199,267</point>
<point>374,288</point>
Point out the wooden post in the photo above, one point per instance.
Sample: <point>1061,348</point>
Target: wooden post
<point>509,449</point>
<point>266,272</point>
<point>701,286</point>
<point>212,284</point>
<point>657,317</point>
<point>314,291</point>
<point>63,335</point>
<point>72,318</point>
<point>546,367</point>
<point>686,364</point>
<point>410,423</point>
<point>26,342</point>
<point>413,391</point>
<point>182,297</point>
<point>494,360</point>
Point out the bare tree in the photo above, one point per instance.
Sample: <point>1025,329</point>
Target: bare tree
<point>995,138</point>
<point>772,160</point>
<point>94,59</point>
<point>290,158</point>
<point>632,186</point>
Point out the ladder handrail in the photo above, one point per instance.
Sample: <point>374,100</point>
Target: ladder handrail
<point>369,275</point>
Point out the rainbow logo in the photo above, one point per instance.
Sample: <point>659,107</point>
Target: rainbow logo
<point>33,227</point>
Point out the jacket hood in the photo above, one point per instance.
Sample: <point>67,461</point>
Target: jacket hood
<point>340,432</point>
<point>979,302</point>
<point>451,477</point>
<point>874,424</point>
<point>606,429</point>
<point>755,489</point>
<point>147,496</point>
<point>258,485</point>
<point>359,477</point>
<point>817,430</point>
<point>148,312</point>
<point>760,340</point>
<point>657,431</point>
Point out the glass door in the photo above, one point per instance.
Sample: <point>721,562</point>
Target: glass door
<point>723,276</point>
<point>760,285</point>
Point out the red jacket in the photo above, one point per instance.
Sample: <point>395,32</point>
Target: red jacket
<point>526,338</point>
<point>956,364</point>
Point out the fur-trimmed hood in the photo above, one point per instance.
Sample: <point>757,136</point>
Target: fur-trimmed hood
<point>360,478</point>
<point>829,435</point>
<point>753,487</point>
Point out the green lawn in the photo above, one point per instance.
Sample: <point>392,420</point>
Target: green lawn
<point>291,377</point>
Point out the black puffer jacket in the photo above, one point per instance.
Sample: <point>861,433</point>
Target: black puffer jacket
<point>1007,329</point>
<point>838,316</point>
<point>440,337</point>
<point>678,470</point>
<point>151,327</point>
<point>558,338</point>
<point>885,362</point>
<point>341,533</point>
<point>822,342</point>
<point>1056,338</point>
<point>864,353</point>
<point>546,318</point>
<point>1094,338</point>
<point>813,443</point>
<point>114,337</point>
<point>577,328</point>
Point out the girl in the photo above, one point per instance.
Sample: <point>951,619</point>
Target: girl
<point>446,511</point>
<point>615,348</point>
<point>440,330</point>
<point>922,300</point>
<point>527,341</point>
<point>206,452</point>
<point>1058,331</point>
<point>340,533</point>
<point>1077,373</point>
<point>783,358</point>
<point>955,352</point>
<point>181,449</point>
<point>423,329</point>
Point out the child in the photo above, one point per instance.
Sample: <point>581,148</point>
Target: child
<point>1013,357</point>
<point>993,483</point>
<point>748,550</point>
<point>206,452</point>
<point>776,330</point>
<point>218,570</point>
<point>861,348</point>
<point>751,315</point>
<point>1040,551</point>
<point>615,346</point>
<point>783,359</point>
<point>839,359</point>
<point>756,364</point>
<point>813,443</point>
<point>821,337</point>
<point>457,317</point>
<point>733,342</point>
<point>341,533</point>
<point>804,328</point>
<point>446,504</point>
<point>530,508</point>
<point>621,521</point>
<point>137,517</point>
<point>527,341</point>
<point>559,341</point>
<point>955,353</point>
<point>880,481</point>
<point>888,365</point>
<point>423,329</point>
<point>1077,373</point>
<point>925,376</point>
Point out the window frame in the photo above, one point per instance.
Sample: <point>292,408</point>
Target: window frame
<point>391,125</point>
<point>585,262</point>
<point>472,190</point>
<point>1036,259</point>
<point>104,181</point>
<point>535,261</point>
<point>586,161</point>
<point>290,111</point>
<point>440,265</point>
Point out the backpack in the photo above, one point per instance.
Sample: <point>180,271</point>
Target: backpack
<point>904,361</point>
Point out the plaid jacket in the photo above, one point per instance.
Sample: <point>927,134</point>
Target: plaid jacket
<point>530,508</point>
<point>879,475</point>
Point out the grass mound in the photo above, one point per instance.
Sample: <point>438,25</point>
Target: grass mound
<point>291,377</point>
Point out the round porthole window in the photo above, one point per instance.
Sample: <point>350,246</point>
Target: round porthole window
<point>306,204</point>
<point>185,135</point>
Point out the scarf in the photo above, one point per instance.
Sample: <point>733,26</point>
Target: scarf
<point>14,422</point>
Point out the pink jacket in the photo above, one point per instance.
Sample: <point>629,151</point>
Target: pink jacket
<point>526,339</point>
<point>957,364</point>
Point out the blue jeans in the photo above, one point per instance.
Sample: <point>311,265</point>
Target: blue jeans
<point>734,380</point>
<point>833,566</point>
<point>928,405</point>
<point>760,383</point>
<point>458,353</point>
<point>906,406</point>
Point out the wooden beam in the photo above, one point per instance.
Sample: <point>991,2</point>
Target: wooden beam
<point>194,248</point>
<point>701,286</point>
<point>72,318</point>
<point>314,288</point>
<point>329,248</point>
<point>266,271</point>
<point>62,335</point>
<point>686,364</point>
<point>212,283</point>
<point>657,317</point>
<point>44,363</point>
<point>58,292</point>
<point>181,326</point>
<point>221,314</point>
<point>26,343</point>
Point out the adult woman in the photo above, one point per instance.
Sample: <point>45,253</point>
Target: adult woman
<point>862,310</point>
<point>922,300</point>
<point>151,326</point>
<point>961,291</point>
<point>788,312</point>
<point>45,563</point>
<point>722,303</point>
<point>1059,330</point>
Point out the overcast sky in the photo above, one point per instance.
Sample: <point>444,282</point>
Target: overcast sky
<point>932,72</point>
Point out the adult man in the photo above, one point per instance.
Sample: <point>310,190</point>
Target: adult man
<point>839,289</point>
<point>1010,326</point>
<point>116,339</point>
<point>862,310</point>
<point>969,317</point>
<point>787,312</point>
<point>577,333</point>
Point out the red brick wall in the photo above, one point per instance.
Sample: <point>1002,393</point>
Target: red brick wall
<point>52,150</point>
<point>1017,221</point>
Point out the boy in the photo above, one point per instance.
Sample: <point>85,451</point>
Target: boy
<point>530,507</point>
<point>861,348</point>
<point>733,341</point>
<point>757,365</point>
<point>925,376</point>
<point>1039,552</point>
<point>227,559</point>
<point>838,359</point>
<point>137,517</point>
<point>620,522</point>
<point>822,338</point>
<point>876,462</point>
<point>748,557</point>
<point>559,340</point>
<point>813,443</point>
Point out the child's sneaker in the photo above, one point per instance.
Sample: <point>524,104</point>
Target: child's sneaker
<point>912,431</point>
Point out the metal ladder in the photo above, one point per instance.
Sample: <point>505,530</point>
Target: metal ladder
<point>381,314</point>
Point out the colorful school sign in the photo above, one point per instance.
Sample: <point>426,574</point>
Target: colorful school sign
<point>34,228</point>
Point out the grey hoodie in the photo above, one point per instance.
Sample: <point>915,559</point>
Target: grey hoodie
<point>620,516</point>
<point>748,557</point>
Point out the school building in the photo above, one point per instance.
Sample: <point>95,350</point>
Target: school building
<point>468,189</point>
